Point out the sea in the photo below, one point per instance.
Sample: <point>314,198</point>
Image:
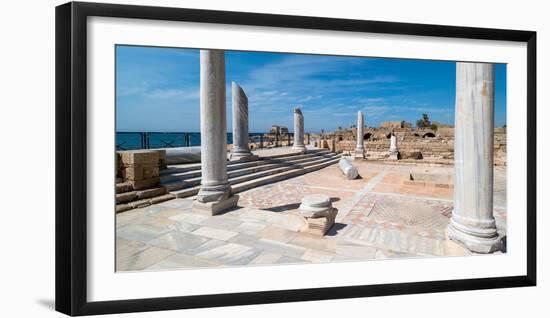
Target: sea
<point>152,140</point>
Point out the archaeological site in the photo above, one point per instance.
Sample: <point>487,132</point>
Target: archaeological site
<point>311,187</point>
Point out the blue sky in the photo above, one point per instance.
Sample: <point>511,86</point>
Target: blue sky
<point>158,89</point>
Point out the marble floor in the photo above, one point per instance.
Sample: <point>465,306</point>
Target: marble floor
<point>380,215</point>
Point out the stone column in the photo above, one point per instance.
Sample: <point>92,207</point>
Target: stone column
<point>241,140</point>
<point>472,222</point>
<point>348,169</point>
<point>360,148</point>
<point>394,153</point>
<point>298,130</point>
<point>215,192</point>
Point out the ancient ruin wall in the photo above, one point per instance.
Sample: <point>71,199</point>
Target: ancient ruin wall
<point>416,144</point>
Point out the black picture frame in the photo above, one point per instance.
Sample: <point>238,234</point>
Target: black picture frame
<point>71,157</point>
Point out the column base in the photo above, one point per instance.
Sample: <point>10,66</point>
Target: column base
<point>318,212</point>
<point>214,192</point>
<point>320,226</point>
<point>479,244</point>
<point>394,155</point>
<point>216,207</point>
<point>299,147</point>
<point>359,153</point>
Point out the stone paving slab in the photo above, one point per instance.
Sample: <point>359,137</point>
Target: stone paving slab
<point>143,259</point>
<point>379,217</point>
<point>180,260</point>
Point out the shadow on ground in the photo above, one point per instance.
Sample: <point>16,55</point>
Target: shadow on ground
<point>335,228</point>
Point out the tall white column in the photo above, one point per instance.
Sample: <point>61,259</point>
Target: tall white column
<point>240,148</point>
<point>215,192</point>
<point>394,153</point>
<point>472,221</point>
<point>298,130</point>
<point>360,148</point>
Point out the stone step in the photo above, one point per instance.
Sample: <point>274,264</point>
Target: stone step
<point>194,170</point>
<point>231,165</point>
<point>247,174</point>
<point>245,177</point>
<point>130,196</point>
<point>297,153</point>
<point>244,183</point>
<point>284,175</point>
<point>236,170</point>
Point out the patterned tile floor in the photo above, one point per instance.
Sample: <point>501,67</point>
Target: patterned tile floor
<point>378,217</point>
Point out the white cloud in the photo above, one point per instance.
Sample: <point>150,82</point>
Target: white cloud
<point>171,93</point>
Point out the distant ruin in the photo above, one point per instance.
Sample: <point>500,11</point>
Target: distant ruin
<point>426,144</point>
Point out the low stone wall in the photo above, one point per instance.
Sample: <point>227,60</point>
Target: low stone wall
<point>440,147</point>
<point>137,178</point>
<point>140,168</point>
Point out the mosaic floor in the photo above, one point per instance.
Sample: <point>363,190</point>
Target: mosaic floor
<point>379,216</point>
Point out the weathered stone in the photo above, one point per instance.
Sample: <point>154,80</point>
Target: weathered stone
<point>241,140</point>
<point>162,158</point>
<point>122,207</point>
<point>315,206</point>
<point>144,184</point>
<point>318,212</point>
<point>215,191</point>
<point>139,203</point>
<point>472,222</point>
<point>394,153</point>
<point>348,169</point>
<point>320,226</point>
<point>118,165</point>
<point>149,193</point>
<point>298,130</point>
<point>125,197</point>
<point>139,157</point>
<point>216,207</point>
<point>123,187</point>
<point>162,198</point>
<point>332,145</point>
<point>360,148</point>
<point>140,172</point>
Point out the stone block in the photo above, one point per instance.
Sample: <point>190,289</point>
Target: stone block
<point>118,164</point>
<point>132,173</point>
<point>123,187</point>
<point>140,157</point>
<point>126,197</point>
<point>139,203</point>
<point>149,193</point>
<point>213,208</point>
<point>140,172</point>
<point>144,184</point>
<point>318,212</point>
<point>162,158</point>
<point>122,207</point>
<point>332,145</point>
<point>150,172</point>
<point>162,198</point>
<point>320,226</point>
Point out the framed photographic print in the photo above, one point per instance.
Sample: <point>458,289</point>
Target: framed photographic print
<point>208,158</point>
